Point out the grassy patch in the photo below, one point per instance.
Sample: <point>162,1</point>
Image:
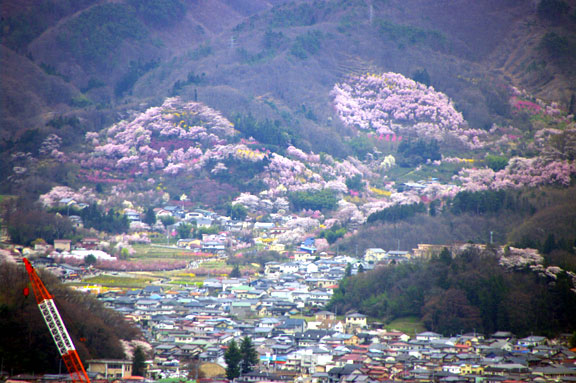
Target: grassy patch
<point>214,264</point>
<point>408,325</point>
<point>5,197</point>
<point>118,281</point>
<point>305,317</point>
<point>444,172</point>
<point>143,252</point>
<point>186,282</point>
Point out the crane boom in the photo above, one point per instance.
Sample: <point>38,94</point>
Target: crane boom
<point>56,326</point>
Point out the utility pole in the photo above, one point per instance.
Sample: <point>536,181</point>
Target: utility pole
<point>370,12</point>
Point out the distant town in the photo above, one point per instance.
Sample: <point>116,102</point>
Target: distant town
<point>282,310</point>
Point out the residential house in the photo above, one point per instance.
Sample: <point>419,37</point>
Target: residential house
<point>90,243</point>
<point>356,320</point>
<point>312,337</point>
<point>204,222</point>
<point>318,298</point>
<point>152,289</point>
<point>292,326</point>
<point>532,341</point>
<point>42,247</point>
<point>132,215</point>
<point>304,256</point>
<point>272,269</point>
<point>213,243</point>
<point>111,368</point>
<point>374,255</point>
<point>62,244</point>
<point>193,215</point>
<point>308,245</point>
<point>175,211</point>
<point>428,336</point>
<point>242,309</point>
<point>323,315</point>
<point>76,221</point>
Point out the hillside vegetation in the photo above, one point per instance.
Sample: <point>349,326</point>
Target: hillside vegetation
<point>95,330</point>
<point>464,292</point>
<point>275,58</point>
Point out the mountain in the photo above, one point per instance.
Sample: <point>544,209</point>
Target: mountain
<point>309,101</point>
<point>97,49</point>
<point>270,57</point>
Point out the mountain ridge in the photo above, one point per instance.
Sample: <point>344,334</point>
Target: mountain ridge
<point>349,20</point>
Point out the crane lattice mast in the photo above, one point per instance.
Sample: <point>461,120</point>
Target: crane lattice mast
<point>56,326</point>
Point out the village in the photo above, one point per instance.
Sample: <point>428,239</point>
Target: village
<point>187,328</point>
<point>191,329</point>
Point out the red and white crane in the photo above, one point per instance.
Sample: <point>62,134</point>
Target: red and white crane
<point>56,326</point>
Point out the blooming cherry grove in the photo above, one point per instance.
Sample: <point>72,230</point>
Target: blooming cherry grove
<point>391,104</point>
<point>188,141</point>
<point>171,138</point>
<point>520,172</point>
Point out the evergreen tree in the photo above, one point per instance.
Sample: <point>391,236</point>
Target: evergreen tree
<point>139,362</point>
<point>235,273</point>
<point>90,260</point>
<point>348,270</point>
<point>549,244</point>
<point>150,216</point>
<point>184,230</point>
<point>167,220</point>
<point>249,355</point>
<point>233,358</point>
<point>237,212</point>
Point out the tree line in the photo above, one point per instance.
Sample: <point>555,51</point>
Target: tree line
<point>465,202</point>
<point>396,213</point>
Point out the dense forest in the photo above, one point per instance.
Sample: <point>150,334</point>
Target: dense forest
<point>96,331</point>
<point>26,221</point>
<point>469,291</point>
<point>523,218</point>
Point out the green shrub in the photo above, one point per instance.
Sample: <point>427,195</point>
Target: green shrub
<point>554,44</point>
<point>410,35</point>
<point>496,163</point>
<point>314,200</point>
<point>309,43</point>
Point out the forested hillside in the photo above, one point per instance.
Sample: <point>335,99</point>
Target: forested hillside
<point>93,59</point>
<point>95,330</point>
<point>523,218</point>
<point>465,291</point>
